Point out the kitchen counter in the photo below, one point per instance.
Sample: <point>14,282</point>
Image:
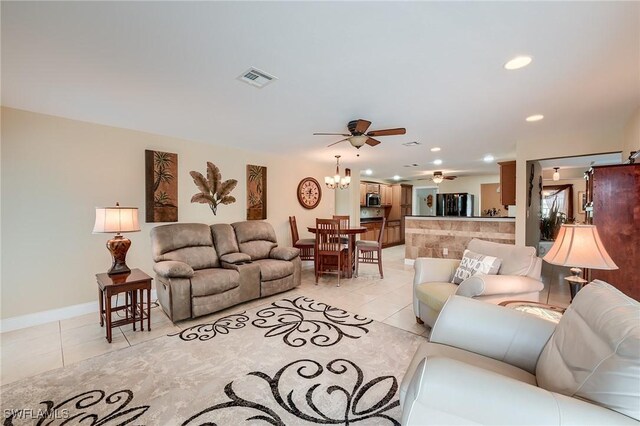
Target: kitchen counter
<point>470,218</point>
<point>433,236</point>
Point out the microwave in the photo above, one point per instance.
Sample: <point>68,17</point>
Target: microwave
<point>373,200</point>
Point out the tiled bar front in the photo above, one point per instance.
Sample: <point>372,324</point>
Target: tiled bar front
<point>427,236</point>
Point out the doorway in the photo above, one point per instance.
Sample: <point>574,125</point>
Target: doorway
<point>425,201</point>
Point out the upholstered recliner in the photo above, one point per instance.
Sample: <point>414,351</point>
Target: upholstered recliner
<point>201,269</point>
<point>518,279</point>
<point>488,365</point>
<point>280,267</point>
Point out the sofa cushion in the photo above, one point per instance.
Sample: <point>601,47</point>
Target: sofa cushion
<point>213,281</point>
<point>255,238</point>
<point>516,260</point>
<point>224,238</point>
<point>473,263</point>
<point>272,269</point>
<point>435,294</point>
<point>190,243</point>
<point>594,353</point>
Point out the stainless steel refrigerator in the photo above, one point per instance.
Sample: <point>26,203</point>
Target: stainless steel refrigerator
<point>456,204</point>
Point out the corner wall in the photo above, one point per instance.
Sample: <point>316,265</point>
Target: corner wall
<point>55,171</point>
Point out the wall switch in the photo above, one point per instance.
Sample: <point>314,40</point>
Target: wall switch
<point>445,252</point>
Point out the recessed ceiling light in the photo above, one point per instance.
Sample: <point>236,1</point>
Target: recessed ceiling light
<point>535,117</point>
<point>488,158</point>
<point>437,162</point>
<point>435,149</point>
<point>396,177</point>
<point>368,172</point>
<point>518,62</point>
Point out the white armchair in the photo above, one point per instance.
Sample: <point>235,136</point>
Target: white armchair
<point>488,365</point>
<point>517,279</point>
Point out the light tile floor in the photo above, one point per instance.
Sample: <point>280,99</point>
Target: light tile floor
<point>37,349</point>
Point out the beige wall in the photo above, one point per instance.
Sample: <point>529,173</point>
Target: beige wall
<point>55,171</point>
<point>632,135</point>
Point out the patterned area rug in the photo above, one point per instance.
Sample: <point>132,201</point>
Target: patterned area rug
<point>292,362</point>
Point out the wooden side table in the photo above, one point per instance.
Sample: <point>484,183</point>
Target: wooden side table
<point>133,284</point>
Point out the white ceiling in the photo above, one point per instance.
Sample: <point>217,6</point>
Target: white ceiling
<point>582,162</point>
<point>435,68</point>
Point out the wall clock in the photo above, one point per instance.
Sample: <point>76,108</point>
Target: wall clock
<point>309,193</point>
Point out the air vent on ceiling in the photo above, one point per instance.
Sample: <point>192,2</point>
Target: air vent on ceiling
<point>414,143</point>
<point>256,77</point>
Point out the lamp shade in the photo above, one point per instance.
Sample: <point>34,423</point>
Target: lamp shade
<point>116,219</point>
<point>579,246</point>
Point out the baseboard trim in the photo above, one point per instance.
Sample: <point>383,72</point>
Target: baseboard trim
<point>37,318</point>
<point>409,261</point>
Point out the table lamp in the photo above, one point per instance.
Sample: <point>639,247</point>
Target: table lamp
<point>116,220</point>
<point>579,246</point>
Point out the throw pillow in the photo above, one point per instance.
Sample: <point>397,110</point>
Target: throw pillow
<point>475,263</point>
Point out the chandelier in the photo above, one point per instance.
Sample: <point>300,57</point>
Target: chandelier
<point>336,181</point>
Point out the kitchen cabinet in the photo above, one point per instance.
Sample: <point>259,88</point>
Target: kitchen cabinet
<point>386,195</point>
<point>390,236</point>
<point>373,188</point>
<point>507,183</point>
<point>613,205</point>
<point>363,194</point>
<point>401,205</point>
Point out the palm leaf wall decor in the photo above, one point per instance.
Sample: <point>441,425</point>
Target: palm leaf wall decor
<point>213,191</point>
<point>161,179</point>
<point>256,192</point>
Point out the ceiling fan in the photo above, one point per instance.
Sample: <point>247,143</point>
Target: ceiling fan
<point>438,177</point>
<point>358,135</point>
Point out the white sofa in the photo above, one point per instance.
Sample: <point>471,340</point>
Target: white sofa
<point>518,279</point>
<point>489,365</point>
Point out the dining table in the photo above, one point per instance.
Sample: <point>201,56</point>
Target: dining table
<point>351,233</point>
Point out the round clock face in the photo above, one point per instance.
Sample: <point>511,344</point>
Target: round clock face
<point>309,193</point>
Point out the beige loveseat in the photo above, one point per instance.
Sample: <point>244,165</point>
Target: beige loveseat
<point>489,365</point>
<point>202,269</point>
<point>517,279</point>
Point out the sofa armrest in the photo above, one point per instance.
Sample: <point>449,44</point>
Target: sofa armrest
<point>445,391</point>
<point>514,337</point>
<point>284,253</point>
<point>173,269</point>
<point>428,269</point>
<point>235,258</point>
<point>485,285</point>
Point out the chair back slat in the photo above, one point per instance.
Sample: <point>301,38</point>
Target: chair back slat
<point>384,222</point>
<point>328,236</point>
<point>294,229</point>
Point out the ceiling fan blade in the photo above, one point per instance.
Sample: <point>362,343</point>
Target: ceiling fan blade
<point>362,126</point>
<point>342,140</point>
<point>450,177</point>
<point>388,132</point>
<point>372,142</point>
<point>331,134</point>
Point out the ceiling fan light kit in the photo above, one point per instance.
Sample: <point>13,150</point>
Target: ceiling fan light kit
<point>437,177</point>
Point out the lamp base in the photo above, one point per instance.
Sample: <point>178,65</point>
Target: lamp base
<point>575,281</point>
<point>118,247</point>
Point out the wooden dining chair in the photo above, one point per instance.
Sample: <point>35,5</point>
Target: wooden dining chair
<point>345,222</point>
<point>327,246</point>
<point>371,251</point>
<point>306,245</point>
